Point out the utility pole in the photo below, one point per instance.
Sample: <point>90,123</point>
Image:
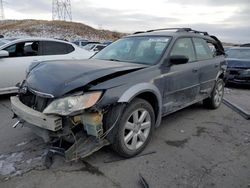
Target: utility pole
<point>2,17</point>
<point>61,10</point>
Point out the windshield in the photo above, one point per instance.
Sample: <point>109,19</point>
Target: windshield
<point>143,50</point>
<point>5,41</point>
<point>238,53</point>
<point>2,43</point>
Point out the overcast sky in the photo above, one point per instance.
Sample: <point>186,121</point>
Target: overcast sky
<point>228,19</point>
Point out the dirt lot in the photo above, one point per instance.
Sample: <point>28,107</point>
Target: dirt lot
<point>193,148</point>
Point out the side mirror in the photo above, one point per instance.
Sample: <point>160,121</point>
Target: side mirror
<point>4,53</point>
<point>178,59</point>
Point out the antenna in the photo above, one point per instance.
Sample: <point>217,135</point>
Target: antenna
<point>61,10</point>
<point>2,17</point>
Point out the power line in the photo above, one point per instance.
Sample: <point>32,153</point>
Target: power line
<point>61,10</point>
<point>2,17</point>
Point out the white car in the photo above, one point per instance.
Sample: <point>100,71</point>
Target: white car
<point>4,41</point>
<point>17,55</point>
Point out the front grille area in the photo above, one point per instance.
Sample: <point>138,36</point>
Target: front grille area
<point>243,78</point>
<point>234,72</point>
<point>33,101</point>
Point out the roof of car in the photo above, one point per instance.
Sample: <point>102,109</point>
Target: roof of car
<point>17,40</point>
<point>245,45</point>
<point>39,39</point>
<point>239,48</point>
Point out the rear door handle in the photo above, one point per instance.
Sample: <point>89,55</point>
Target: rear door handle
<point>194,70</point>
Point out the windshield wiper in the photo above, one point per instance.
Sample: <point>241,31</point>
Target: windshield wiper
<point>113,60</point>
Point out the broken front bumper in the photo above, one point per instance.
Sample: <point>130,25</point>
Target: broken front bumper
<point>238,76</point>
<point>27,114</point>
<point>47,125</point>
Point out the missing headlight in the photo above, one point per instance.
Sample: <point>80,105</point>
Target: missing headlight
<point>93,123</point>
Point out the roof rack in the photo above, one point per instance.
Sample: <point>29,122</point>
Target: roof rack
<point>177,30</point>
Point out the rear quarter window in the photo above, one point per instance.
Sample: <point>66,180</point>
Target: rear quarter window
<point>203,51</point>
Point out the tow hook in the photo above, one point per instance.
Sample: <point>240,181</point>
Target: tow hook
<point>51,153</point>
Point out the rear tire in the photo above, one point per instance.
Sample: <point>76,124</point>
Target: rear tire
<point>134,129</point>
<point>215,100</point>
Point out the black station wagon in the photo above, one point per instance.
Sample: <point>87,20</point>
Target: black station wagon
<point>120,95</point>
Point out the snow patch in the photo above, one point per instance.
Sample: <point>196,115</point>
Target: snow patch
<point>7,163</point>
<point>22,144</point>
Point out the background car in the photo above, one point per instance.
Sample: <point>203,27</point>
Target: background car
<point>17,55</point>
<point>94,47</point>
<point>238,70</point>
<point>83,43</point>
<point>99,47</point>
<point>245,45</point>
<point>107,42</point>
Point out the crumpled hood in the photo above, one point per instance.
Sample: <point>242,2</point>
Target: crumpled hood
<point>238,63</point>
<point>60,77</point>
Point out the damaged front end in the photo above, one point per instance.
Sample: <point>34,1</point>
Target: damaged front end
<point>73,125</point>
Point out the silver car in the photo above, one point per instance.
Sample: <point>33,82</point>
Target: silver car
<point>17,55</point>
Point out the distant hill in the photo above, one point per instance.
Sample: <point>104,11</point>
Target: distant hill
<point>54,29</point>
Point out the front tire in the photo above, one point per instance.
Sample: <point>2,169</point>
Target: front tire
<point>135,128</point>
<point>216,98</point>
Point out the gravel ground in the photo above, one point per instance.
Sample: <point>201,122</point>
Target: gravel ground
<point>193,148</point>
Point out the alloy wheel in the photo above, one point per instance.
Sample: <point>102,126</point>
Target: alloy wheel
<point>218,93</point>
<point>137,129</point>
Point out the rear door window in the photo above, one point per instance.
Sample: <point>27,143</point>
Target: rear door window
<point>184,47</point>
<point>56,48</point>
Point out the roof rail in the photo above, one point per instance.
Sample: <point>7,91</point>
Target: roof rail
<point>177,30</point>
<point>164,29</point>
<point>201,32</point>
<point>174,28</point>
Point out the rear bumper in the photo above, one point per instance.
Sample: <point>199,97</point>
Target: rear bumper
<point>27,114</point>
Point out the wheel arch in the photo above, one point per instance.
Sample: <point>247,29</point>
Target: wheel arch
<point>148,92</point>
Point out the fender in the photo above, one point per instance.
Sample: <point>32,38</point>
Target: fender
<point>223,69</point>
<point>220,73</point>
<point>137,89</point>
